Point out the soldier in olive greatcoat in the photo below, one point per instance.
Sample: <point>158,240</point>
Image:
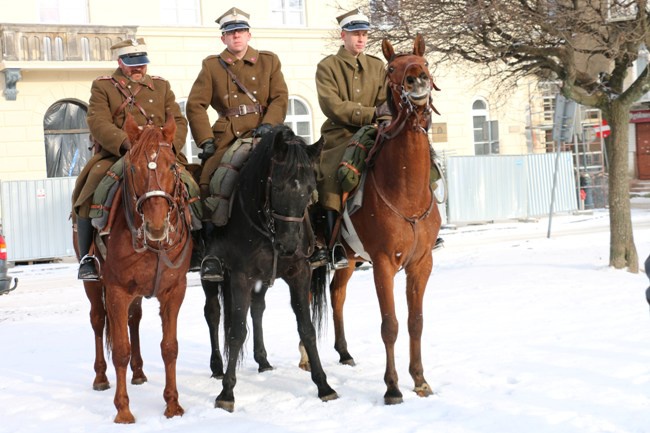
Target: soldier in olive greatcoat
<point>247,89</point>
<point>128,90</point>
<point>350,85</point>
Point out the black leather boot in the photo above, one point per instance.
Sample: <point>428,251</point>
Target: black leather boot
<point>440,242</point>
<point>197,251</point>
<point>319,224</point>
<point>211,268</point>
<point>87,265</point>
<point>338,257</point>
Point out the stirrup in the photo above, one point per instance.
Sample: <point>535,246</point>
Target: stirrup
<point>339,258</point>
<point>90,273</point>
<point>211,269</point>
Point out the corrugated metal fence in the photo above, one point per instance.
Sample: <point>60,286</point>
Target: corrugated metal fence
<point>35,218</point>
<point>489,188</point>
<point>35,214</point>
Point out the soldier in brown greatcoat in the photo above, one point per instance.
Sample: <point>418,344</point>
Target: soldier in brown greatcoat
<point>248,104</point>
<point>350,85</point>
<point>128,90</point>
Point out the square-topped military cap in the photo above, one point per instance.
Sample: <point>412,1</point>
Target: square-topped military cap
<point>353,20</point>
<point>233,19</point>
<point>132,52</point>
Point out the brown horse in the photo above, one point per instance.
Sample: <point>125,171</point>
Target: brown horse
<point>399,221</point>
<point>147,254</point>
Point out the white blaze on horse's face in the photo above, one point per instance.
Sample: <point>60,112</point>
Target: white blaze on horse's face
<point>417,84</point>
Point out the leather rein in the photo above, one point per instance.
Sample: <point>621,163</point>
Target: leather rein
<point>133,204</point>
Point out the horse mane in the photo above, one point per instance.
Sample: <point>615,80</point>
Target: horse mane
<point>295,163</point>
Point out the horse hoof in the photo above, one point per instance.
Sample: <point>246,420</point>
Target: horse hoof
<point>139,380</point>
<point>174,410</point>
<point>101,386</point>
<point>304,366</point>
<point>228,406</point>
<point>265,368</point>
<point>125,417</point>
<point>389,401</point>
<point>423,390</point>
<point>349,362</point>
<point>330,397</point>
<point>217,376</point>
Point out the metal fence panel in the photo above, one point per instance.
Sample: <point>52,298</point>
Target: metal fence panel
<point>489,188</point>
<point>35,218</point>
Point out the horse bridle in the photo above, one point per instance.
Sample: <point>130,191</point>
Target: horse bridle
<point>267,227</point>
<point>137,233</point>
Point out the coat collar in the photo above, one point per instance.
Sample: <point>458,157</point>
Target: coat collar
<point>351,60</point>
<point>251,56</point>
<point>119,76</point>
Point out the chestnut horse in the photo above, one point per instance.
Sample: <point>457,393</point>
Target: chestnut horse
<point>268,236</point>
<point>147,254</point>
<point>398,222</point>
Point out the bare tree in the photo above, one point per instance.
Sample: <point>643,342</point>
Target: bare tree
<point>586,45</point>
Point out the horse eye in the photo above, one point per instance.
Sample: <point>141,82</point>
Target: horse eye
<point>426,64</point>
<point>391,69</point>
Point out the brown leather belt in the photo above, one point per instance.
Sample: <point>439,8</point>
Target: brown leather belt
<point>242,110</point>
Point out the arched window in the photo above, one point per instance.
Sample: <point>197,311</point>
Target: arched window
<point>85,49</point>
<point>486,131</point>
<point>67,140</point>
<point>299,118</point>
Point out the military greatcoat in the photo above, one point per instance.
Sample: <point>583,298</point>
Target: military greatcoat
<point>260,73</point>
<point>349,88</point>
<point>105,120</point>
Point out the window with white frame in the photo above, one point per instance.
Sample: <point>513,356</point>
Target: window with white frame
<point>288,12</point>
<point>179,12</point>
<point>299,118</point>
<point>486,131</point>
<point>63,11</point>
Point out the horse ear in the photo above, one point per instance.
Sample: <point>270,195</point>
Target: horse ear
<point>280,145</point>
<point>313,151</point>
<point>131,128</point>
<point>419,45</point>
<point>169,129</point>
<point>387,49</point>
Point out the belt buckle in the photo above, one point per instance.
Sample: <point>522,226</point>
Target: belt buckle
<point>243,110</point>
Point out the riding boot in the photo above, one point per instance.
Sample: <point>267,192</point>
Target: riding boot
<point>338,257</point>
<point>211,268</point>
<point>87,267</point>
<point>197,251</point>
<point>319,224</point>
<point>440,242</point>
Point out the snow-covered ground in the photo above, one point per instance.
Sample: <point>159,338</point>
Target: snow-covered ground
<point>523,333</point>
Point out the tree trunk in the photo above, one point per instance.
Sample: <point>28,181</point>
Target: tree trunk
<point>622,251</point>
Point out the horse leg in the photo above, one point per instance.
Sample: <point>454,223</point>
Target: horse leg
<point>135,315</point>
<point>94,292</point>
<point>337,294</point>
<point>304,358</point>
<point>212,314</point>
<point>118,316</point>
<point>258,305</point>
<point>416,282</point>
<point>384,274</point>
<point>307,333</point>
<point>238,303</point>
<point>170,304</point>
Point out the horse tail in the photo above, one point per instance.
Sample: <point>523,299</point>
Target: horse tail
<point>318,289</point>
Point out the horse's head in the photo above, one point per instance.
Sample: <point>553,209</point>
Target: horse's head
<point>290,187</point>
<point>151,176</point>
<point>409,80</point>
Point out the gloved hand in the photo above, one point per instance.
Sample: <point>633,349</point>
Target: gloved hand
<point>208,148</point>
<point>261,130</point>
<point>382,111</point>
<point>125,146</point>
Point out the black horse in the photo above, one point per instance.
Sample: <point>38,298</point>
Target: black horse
<point>268,236</point>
